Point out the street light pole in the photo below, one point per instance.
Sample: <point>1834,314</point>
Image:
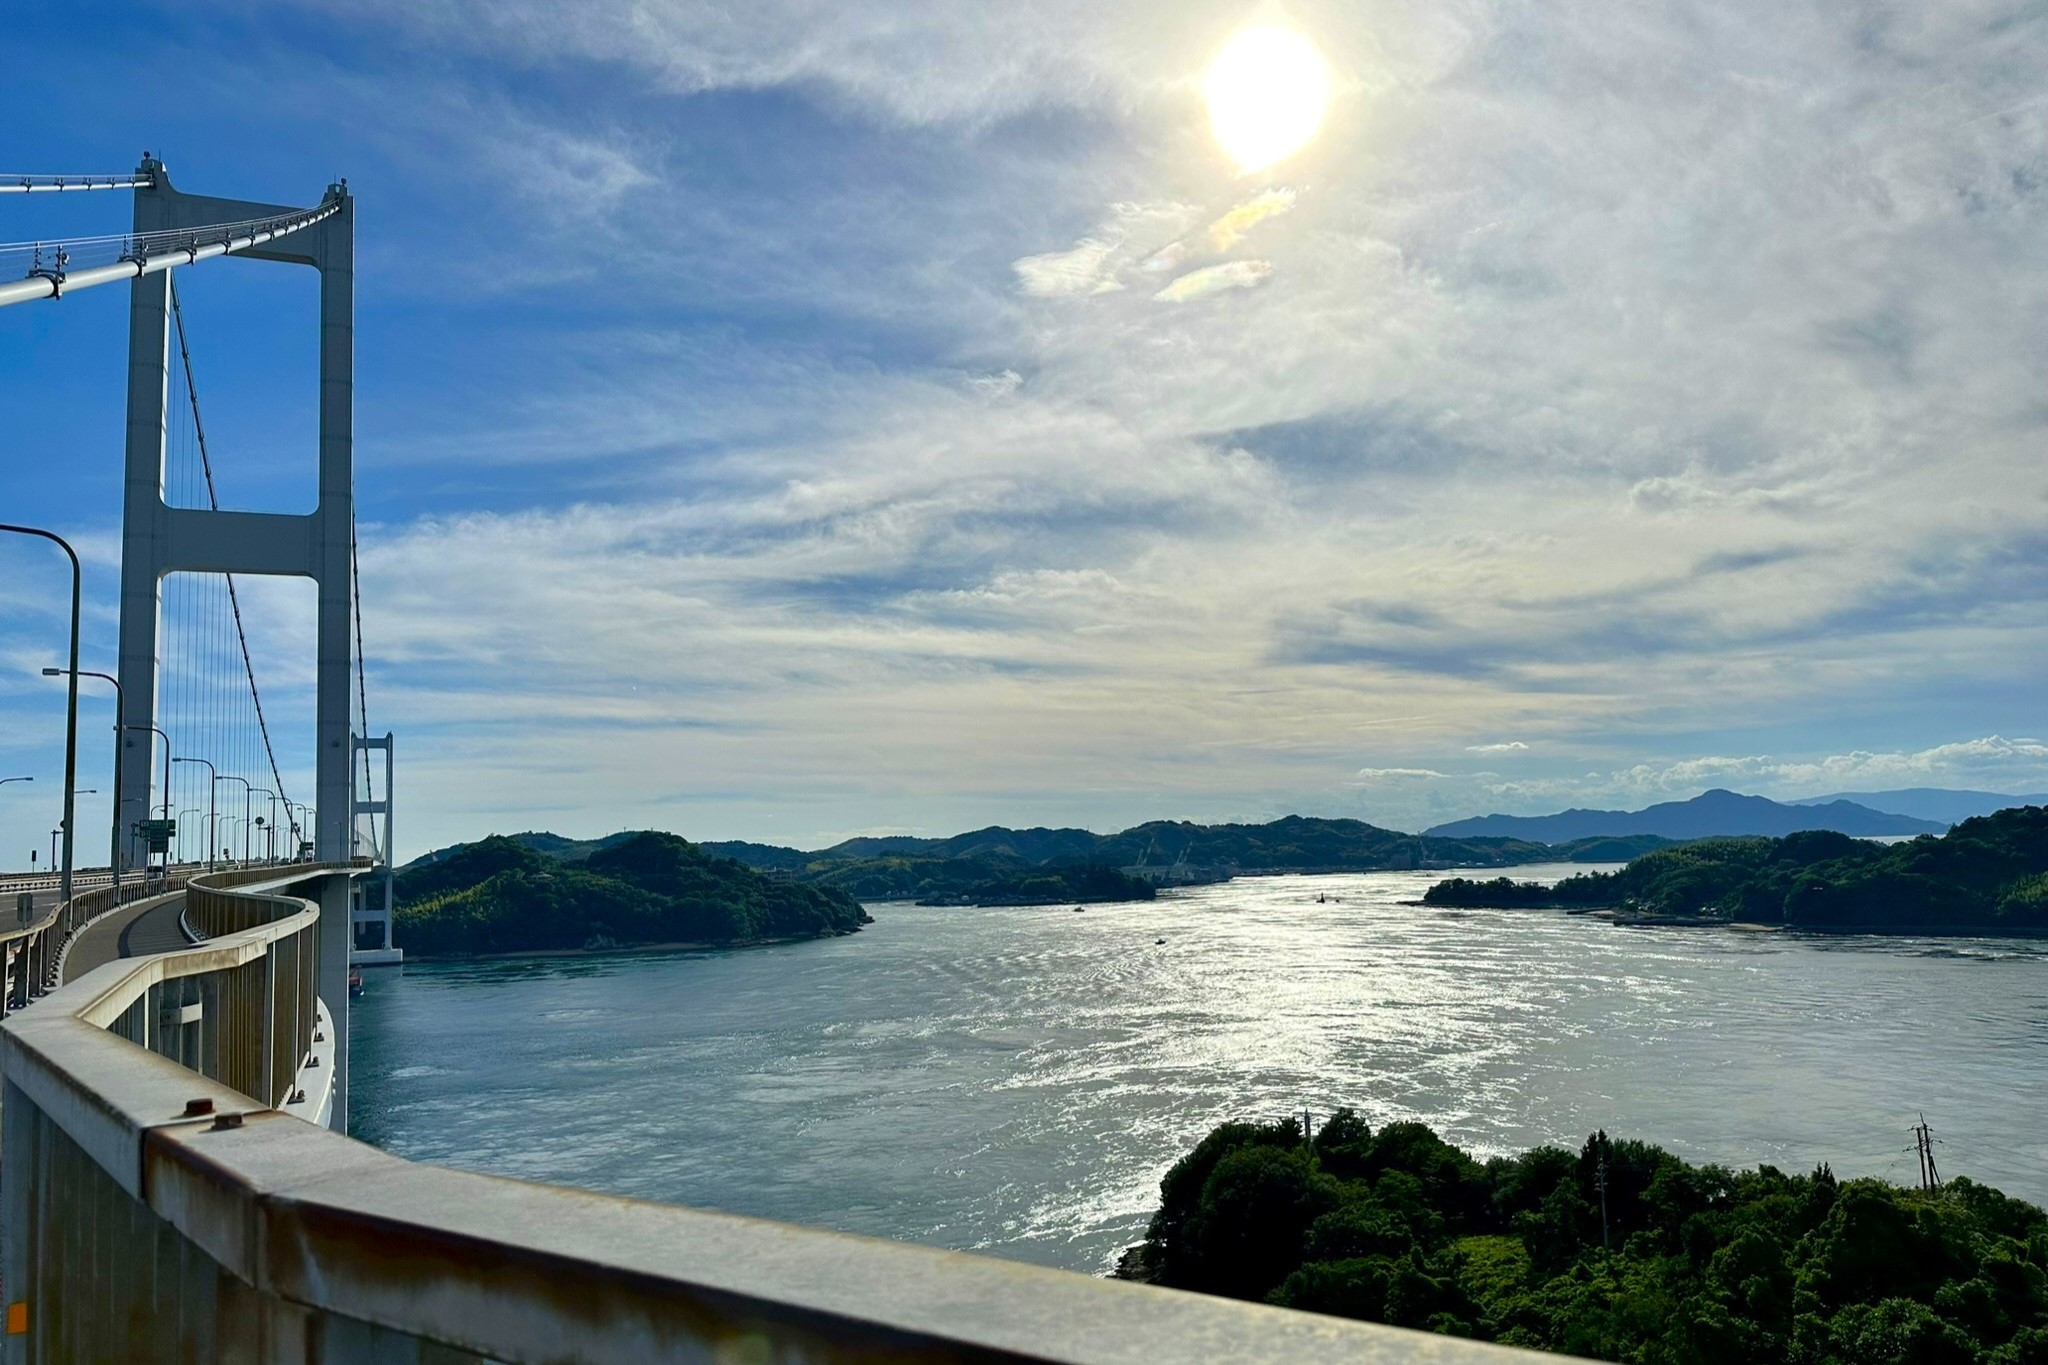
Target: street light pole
<point>168,761</point>
<point>114,850</point>
<point>246,793</point>
<point>71,708</point>
<point>271,853</point>
<point>212,826</point>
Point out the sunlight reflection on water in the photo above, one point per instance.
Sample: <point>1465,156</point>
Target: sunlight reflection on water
<point>1017,1080</point>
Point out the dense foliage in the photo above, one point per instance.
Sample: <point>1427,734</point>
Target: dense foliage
<point>1001,866</point>
<point>1989,873</point>
<point>502,896</point>
<point>1049,886</point>
<point>1704,1266</point>
<point>1293,844</point>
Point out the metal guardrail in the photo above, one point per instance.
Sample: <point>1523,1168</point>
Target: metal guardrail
<point>154,1213</point>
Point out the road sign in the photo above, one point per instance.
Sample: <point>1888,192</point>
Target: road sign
<point>159,833</point>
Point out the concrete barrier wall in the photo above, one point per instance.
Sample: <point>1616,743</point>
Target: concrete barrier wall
<point>156,1214</point>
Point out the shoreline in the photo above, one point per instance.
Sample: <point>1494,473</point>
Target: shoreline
<point>623,949</point>
<point>1623,918</point>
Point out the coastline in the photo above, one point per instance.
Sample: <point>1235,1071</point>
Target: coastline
<point>623,949</point>
<point>1628,919</point>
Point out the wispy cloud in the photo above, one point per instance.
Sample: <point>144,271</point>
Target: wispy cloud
<point>1227,231</point>
<point>778,396</point>
<point>1214,279</point>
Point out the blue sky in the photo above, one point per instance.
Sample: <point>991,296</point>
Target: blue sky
<point>803,419</point>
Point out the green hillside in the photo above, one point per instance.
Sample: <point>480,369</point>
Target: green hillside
<point>501,895</point>
<point>1988,874</point>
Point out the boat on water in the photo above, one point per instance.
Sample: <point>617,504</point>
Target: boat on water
<point>355,984</point>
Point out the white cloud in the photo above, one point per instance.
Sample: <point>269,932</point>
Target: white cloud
<point>1631,384</point>
<point>1081,269</point>
<point>1213,279</point>
<point>1227,231</point>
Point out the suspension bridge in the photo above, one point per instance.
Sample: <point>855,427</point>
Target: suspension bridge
<point>176,1183</point>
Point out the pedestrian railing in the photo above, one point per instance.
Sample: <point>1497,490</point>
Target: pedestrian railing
<point>32,946</point>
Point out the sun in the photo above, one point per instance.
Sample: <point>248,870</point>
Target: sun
<point>1266,91</point>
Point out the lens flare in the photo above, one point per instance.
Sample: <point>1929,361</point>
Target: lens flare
<point>1266,90</point>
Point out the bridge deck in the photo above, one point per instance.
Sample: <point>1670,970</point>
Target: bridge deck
<point>149,926</point>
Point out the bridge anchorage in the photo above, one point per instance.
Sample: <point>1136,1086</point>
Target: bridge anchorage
<point>176,1183</point>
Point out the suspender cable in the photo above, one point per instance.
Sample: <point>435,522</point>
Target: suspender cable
<point>213,500</point>
<point>355,584</point>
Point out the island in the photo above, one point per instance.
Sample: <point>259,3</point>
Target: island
<point>986,867</point>
<point>500,895</point>
<point>1988,875</point>
<point>1049,886</point>
<point>1615,1251</point>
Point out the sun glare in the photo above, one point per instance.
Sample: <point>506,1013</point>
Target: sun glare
<point>1266,91</point>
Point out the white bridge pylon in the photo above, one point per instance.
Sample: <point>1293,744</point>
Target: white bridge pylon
<point>158,539</point>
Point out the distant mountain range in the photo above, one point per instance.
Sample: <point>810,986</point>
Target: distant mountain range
<point>1947,805</point>
<point>1717,812</point>
<point>989,864</point>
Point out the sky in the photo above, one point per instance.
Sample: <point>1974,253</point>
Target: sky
<point>796,420</point>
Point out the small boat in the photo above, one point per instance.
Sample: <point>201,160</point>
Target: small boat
<point>355,984</point>
<point>1080,909</point>
<point>1159,940</point>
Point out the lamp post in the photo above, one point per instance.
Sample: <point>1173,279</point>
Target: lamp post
<point>71,707</point>
<point>247,791</point>
<point>212,828</point>
<point>190,810</point>
<point>271,852</point>
<point>168,760</point>
<point>114,850</point>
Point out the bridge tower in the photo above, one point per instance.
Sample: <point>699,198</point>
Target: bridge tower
<point>158,539</point>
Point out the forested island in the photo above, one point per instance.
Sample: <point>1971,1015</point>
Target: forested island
<point>1688,1265</point>
<point>993,866</point>
<point>1987,875</point>
<point>501,896</point>
<point>1048,886</point>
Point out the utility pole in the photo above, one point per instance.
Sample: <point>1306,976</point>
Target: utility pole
<point>1600,1183</point>
<point>1923,1142</point>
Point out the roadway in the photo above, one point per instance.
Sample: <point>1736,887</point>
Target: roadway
<point>148,926</point>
